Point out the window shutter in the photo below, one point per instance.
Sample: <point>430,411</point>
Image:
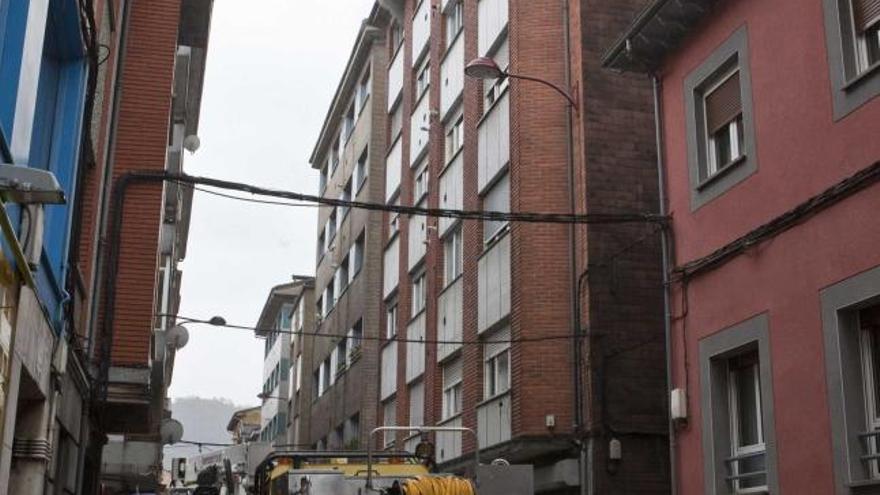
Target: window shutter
<point>865,13</point>
<point>724,103</point>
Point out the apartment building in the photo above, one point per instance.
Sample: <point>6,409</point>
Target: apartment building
<point>300,387</point>
<point>275,326</point>
<point>349,153</point>
<point>768,117</point>
<point>509,302</point>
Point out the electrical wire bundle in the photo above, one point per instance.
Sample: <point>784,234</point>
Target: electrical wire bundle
<point>435,485</point>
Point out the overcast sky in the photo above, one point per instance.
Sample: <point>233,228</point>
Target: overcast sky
<point>273,66</point>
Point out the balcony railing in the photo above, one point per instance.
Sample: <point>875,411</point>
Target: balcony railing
<point>493,420</point>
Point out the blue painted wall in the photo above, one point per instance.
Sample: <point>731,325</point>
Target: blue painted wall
<point>56,130</point>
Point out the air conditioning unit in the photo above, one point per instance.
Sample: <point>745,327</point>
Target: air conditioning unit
<point>32,235</point>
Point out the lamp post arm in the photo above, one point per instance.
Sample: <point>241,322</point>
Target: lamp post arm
<point>568,96</point>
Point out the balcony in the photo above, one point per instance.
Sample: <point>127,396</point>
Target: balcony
<point>449,319</point>
<point>493,421</point>
<point>493,291</point>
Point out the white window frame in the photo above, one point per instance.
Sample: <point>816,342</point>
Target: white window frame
<point>733,408</point>
<point>453,259</point>
<point>423,78</point>
<point>421,182</point>
<point>452,400</point>
<point>492,374</point>
<point>391,313</point>
<point>454,20</point>
<point>419,293</point>
<point>863,63</point>
<point>455,138</point>
<point>872,415</point>
<point>734,129</point>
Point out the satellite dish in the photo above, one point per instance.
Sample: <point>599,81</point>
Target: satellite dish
<point>177,337</point>
<point>171,431</point>
<point>191,143</point>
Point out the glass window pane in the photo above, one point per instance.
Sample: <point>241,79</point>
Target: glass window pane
<point>748,421</point>
<point>497,199</point>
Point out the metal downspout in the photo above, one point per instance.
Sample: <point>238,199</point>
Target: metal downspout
<point>665,251</point>
<point>585,457</point>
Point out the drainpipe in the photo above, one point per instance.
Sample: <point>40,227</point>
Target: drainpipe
<point>585,457</point>
<point>665,245</point>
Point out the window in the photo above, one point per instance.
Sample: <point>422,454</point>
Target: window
<point>357,256</point>
<point>345,196</point>
<point>352,433</point>
<point>496,199</point>
<point>394,220</point>
<point>348,122</point>
<point>329,297</point>
<point>452,256</point>
<point>334,156</point>
<point>395,122</point>
<point>341,355</point>
<point>389,418</point>
<point>852,37</point>
<point>299,367</point>
<point>355,336</point>
<point>454,20</point>
<point>319,306</point>
<point>423,79</point>
<point>420,186</point>
<point>331,226</point>
<point>418,294</point>
<point>720,137</point>
<point>363,90</point>
<point>748,453</point>
<point>417,404</point>
<point>492,90</point>
<point>737,419</point>
<point>851,329</point>
<point>322,182</point>
<point>391,320</point>
<point>396,36</point>
<point>452,389</point>
<point>497,376</point>
<point>342,276</point>
<point>327,372</point>
<point>724,131</point>
<point>869,340</point>
<point>360,170</point>
<point>454,138</point>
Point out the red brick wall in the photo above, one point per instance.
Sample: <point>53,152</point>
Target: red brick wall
<point>141,144</point>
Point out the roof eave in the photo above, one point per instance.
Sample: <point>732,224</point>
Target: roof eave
<point>655,33</point>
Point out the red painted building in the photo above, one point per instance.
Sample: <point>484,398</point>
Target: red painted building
<point>769,134</point>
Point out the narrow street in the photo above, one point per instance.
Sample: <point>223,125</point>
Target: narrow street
<point>439,247</point>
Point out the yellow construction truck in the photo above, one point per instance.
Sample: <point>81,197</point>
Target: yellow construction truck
<point>383,473</point>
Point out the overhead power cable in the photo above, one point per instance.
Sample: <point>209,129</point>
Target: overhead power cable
<point>501,216</point>
<point>520,340</point>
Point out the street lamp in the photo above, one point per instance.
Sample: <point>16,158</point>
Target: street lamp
<point>486,68</point>
<point>177,336</point>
